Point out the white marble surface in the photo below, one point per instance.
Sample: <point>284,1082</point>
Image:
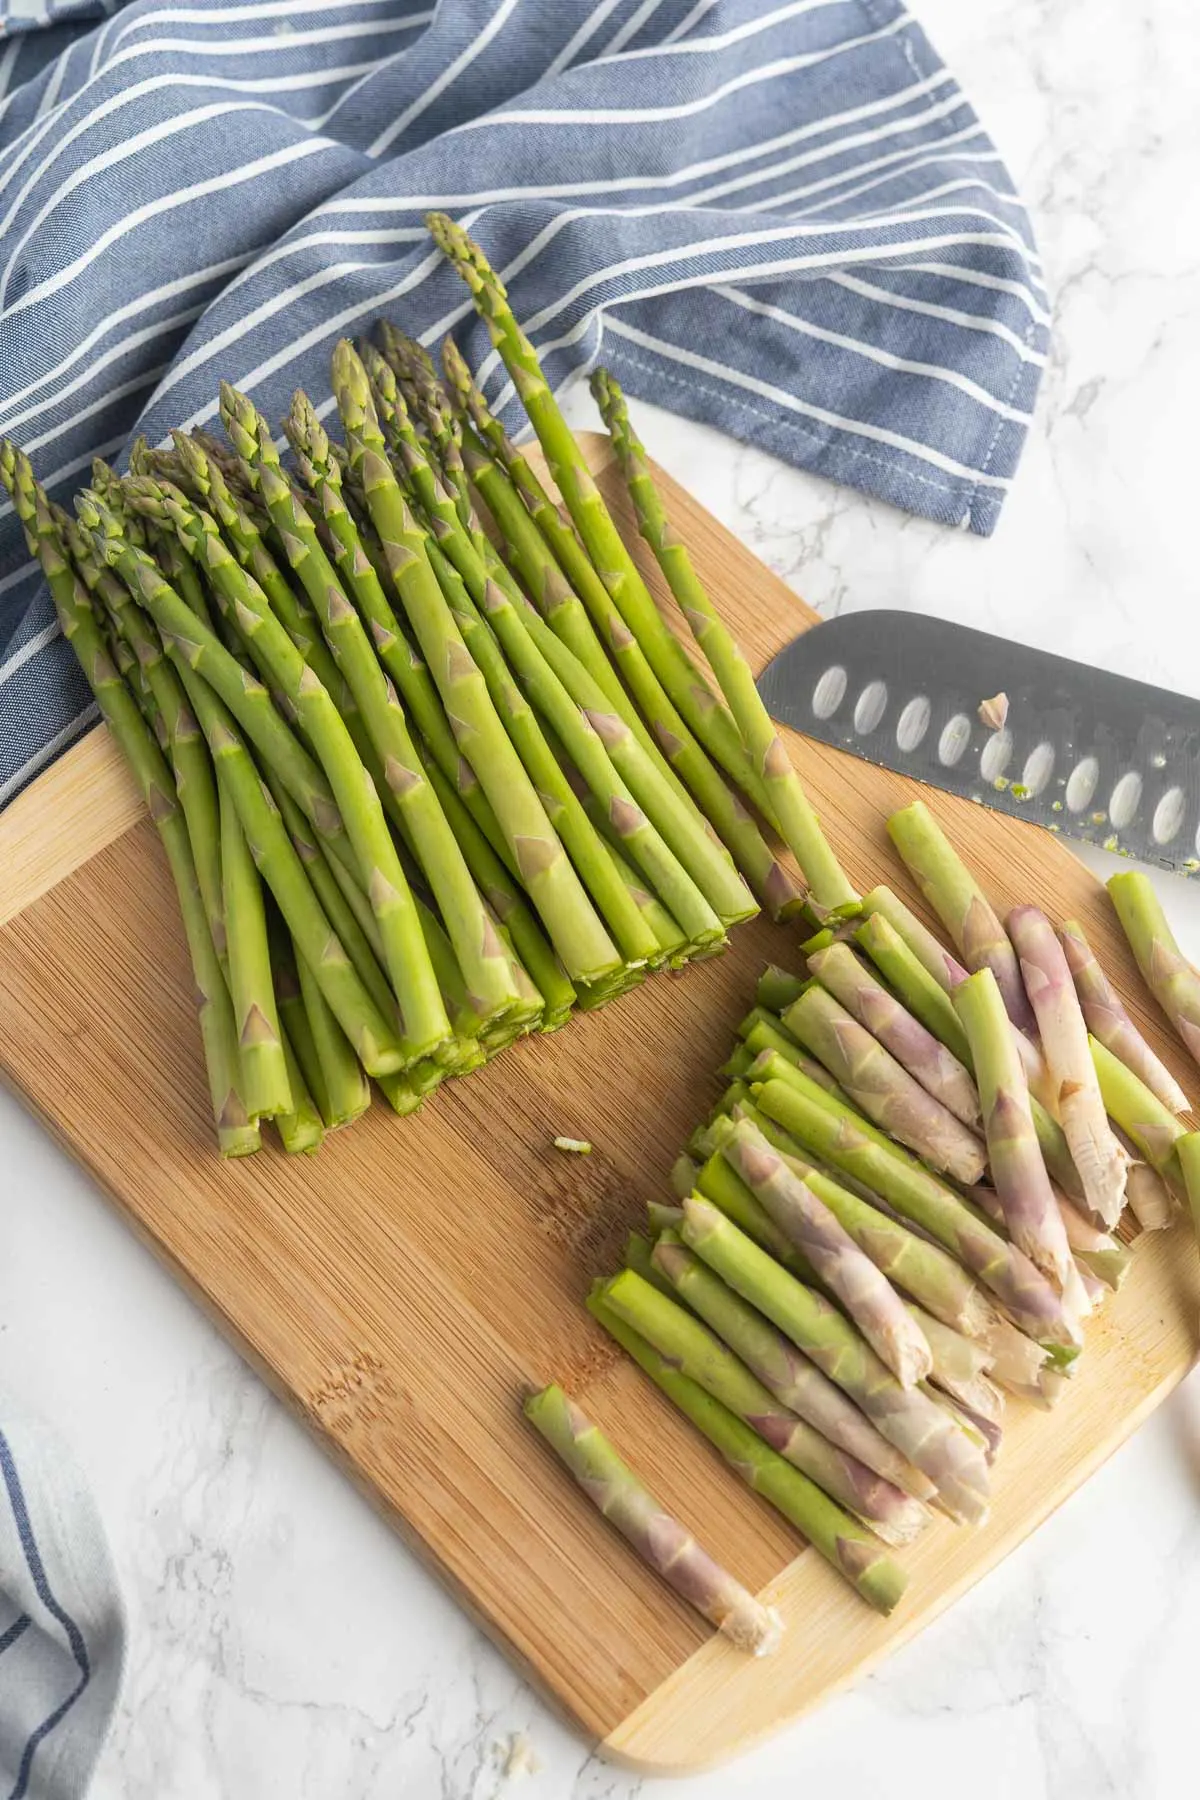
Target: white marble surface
<point>284,1645</point>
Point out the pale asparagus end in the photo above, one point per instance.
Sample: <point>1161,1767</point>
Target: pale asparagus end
<point>1111,1025</point>
<point>1080,1105</point>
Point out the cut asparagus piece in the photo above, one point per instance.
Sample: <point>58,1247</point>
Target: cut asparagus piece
<point>301,1131</point>
<point>848,1546</point>
<point>906,1417</point>
<point>700,1354</point>
<point>788,1375</point>
<point>1149,1197</point>
<point>960,904</point>
<point>1094,1150</point>
<point>933,957</point>
<point>777,988</point>
<point>1153,1129</point>
<point>767,752</point>
<point>876,1083</point>
<point>1166,971</point>
<point>834,1135</point>
<point>660,1540</point>
<point>911,981</point>
<point>842,1267</point>
<point>916,1049</point>
<point>1111,1025</point>
<point>923,1269</point>
<point>1034,1221</point>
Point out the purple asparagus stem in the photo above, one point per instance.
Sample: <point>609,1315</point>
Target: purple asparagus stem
<point>929,1062</point>
<point>1079,1104</point>
<point>1111,1025</point>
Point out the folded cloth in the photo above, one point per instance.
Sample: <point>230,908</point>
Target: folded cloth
<point>62,1627</point>
<point>777,216</point>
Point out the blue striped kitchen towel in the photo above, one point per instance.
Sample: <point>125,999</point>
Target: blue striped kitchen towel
<point>62,1626</point>
<point>778,216</point>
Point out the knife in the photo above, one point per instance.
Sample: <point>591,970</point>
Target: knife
<point>1100,757</point>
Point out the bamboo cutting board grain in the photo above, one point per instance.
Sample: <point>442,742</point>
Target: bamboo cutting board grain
<point>402,1288</point>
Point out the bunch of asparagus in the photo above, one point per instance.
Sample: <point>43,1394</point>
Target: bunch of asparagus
<point>422,790</point>
<point>902,1206</point>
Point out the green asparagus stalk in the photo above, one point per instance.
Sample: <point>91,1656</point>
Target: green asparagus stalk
<point>700,1354</point>
<point>906,1417</point>
<point>960,904</point>
<point>685,684</point>
<point>301,1039</point>
<point>771,771</point>
<point>881,1087</point>
<point>934,958</point>
<point>790,1378</point>
<point>480,954</point>
<point>675,852</point>
<point>1165,969</point>
<point>195,782</point>
<point>833,1135</point>
<point>1108,1021</point>
<point>236,1134</point>
<point>660,1540</point>
<point>1094,1150</point>
<point>764,1036</point>
<point>554,567</point>
<point>910,980</point>
<point>374,1041</point>
<point>577,932</point>
<point>1143,1118</point>
<point>265,1083</point>
<point>846,1545</point>
<point>843,1269</point>
<point>1033,1219</point>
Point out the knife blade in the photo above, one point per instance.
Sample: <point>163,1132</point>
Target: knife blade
<point>1099,757</point>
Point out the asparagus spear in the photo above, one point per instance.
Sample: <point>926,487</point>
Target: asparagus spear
<point>265,1084</point>
<point>374,1041</point>
<point>777,988</point>
<point>675,850</point>
<point>480,954</point>
<point>786,1374</point>
<point>1165,969</point>
<point>328,1067</point>
<point>576,605</point>
<point>835,1136</point>
<point>660,1540</point>
<point>700,1354</point>
<point>355,817</point>
<point>960,903</point>
<point>1018,1171</point>
<point>1149,1197</point>
<point>578,934</point>
<point>905,1416</point>
<point>1111,1025</point>
<point>1047,978</point>
<point>842,1267</point>
<point>770,763</point>
<point>924,1270</point>
<point>236,1134</point>
<point>929,1062</point>
<point>881,1087</point>
<point>191,765</point>
<point>1102,1255</point>
<point>848,1546</point>
<point>682,678</point>
<point>1154,1130</point>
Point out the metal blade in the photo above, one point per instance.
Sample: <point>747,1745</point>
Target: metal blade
<point>1096,756</point>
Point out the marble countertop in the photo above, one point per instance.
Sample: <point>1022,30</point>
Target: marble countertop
<point>284,1645</point>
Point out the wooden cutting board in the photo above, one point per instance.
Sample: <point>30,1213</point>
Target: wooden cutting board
<point>401,1289</point>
